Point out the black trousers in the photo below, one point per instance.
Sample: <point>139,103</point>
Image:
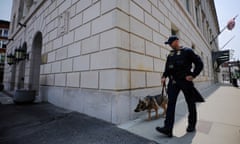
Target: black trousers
<point>174,88</point>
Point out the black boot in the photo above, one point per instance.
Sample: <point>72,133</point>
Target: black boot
<point>164,131</point>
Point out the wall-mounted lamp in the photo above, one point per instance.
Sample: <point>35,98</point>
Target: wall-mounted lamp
<point>10,59</point>
<point>22,25</point>
<point>20,54</point>
<point>2,58</point>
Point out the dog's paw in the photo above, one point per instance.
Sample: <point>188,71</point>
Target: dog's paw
<point>148,119</point>
<point>163,115</point>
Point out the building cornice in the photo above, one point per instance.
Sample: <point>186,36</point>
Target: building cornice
<point>26,19</point>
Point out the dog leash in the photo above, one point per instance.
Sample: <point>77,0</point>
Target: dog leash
<point>164,88</point>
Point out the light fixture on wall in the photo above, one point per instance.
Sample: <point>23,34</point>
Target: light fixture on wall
<point>10,59</point>
<point>20,54</point>
<point>2,58</point>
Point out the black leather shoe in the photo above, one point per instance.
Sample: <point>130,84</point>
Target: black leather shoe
<point>191,129</point>
<point>164,131</point>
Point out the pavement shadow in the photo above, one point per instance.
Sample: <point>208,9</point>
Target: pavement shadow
<point>187,138</point>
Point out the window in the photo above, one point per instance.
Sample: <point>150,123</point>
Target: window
<point>5,33</point>
<point>193,47</point>
<point>188,6</point>
<point>4,44</point>
<point>202,56</point>
<point>208,68</point>
<point>203,23</point>
<point>197,3</point>
<point>13,23</point>
<point>1,43</point>
<point>197,18</point>
<point>174,30</point>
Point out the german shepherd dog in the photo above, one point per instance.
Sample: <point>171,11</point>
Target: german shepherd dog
<point>153,102</point>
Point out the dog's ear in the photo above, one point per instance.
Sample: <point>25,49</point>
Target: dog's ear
<point>139,100</point>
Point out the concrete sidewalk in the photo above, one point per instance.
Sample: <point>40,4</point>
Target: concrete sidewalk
<point>218,120</point>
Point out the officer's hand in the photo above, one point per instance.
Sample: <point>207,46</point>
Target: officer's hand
<point>189,78</point>
<point>163,81</point>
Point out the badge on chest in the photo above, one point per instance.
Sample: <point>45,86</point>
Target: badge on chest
<point>178,52</point>
<point>172,53</point>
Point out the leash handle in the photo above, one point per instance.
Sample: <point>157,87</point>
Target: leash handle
<point>164,88</point>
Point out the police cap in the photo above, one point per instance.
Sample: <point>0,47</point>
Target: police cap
<point>171,39</point>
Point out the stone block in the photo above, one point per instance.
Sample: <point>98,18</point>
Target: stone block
<point>121,20</point>
<point>57,43</point>
<point>140,29</point>
<point>50,79</point>
<point>67,65</point>
<point>138,79</point>
<point>74,99</point>
<point>165,31</point>
<point>121,108</point>
<point>89,79</point>
<point>81,63</point>
<point>51,56</point>
<point>82,5</point>
<point>52,35</point>
<point>141,62</point>
<point>159,65</point>
<point>91,13</point>
<point>153,79</point>
<point>158,38</point>
<point>103,23</point>
<point>64,6</point>
<point>56,67</point>
<point>109,20</point>
<point>164,53</point>
<point>114,38</point>
<point>60,79</point>
<point>82,32</point>
<point>112,58</point>
<point>61,53</point>
<point>68,38</point>
<point>74,49</point>
<point>47,68</point>
<point>151,22</point>
<point>107,5</point>
<point>73,79</point>
<point>137,44</point>
<point>146,5</point>
<point>156,13</point>
<point>98,105</point>
<point>136,11</point>
<point>90,45</point>
<point>152,49</point>
<point>114,79</point>
<point>76,21</point>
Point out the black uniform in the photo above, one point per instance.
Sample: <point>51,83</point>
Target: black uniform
<point>178,66</point>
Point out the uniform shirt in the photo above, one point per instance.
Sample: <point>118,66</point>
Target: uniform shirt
<point>179,64</point>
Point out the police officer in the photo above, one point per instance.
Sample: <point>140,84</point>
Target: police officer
<point>178,69</point>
